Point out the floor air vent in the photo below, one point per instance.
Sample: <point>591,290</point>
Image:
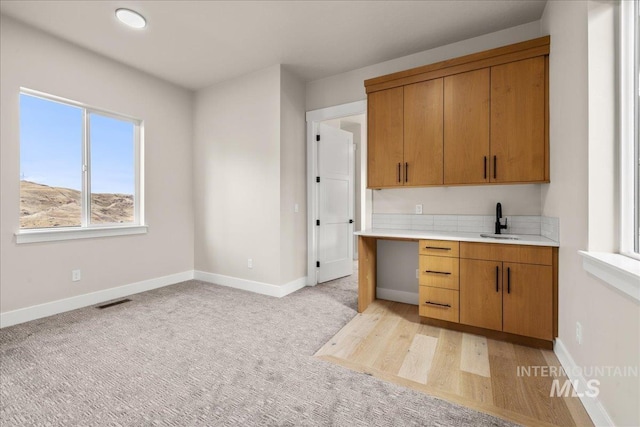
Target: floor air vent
<point>111,304</point>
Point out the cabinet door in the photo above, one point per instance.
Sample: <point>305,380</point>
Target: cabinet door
<point>385,139</point>
<point>423,103</point>
<point>518,121</point>
<point>481,293</point>
<point>466,127</point>
<point>528,300</point>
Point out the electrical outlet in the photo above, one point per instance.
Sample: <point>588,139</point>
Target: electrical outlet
<point>250,263</point>
<point>579,332</point>
<point>417,273</point>
<point>419,209</point>
<point>75,275</point>
<point>296,208</point>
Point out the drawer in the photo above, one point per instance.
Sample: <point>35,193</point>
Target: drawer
<point>522,254</point>
<point>439,303</point>
<point>445,248</point>
<point>439,272</point>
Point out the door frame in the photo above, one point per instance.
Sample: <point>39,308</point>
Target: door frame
<point>314,118</point>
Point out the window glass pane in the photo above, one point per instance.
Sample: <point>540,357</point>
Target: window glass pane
<point>112,169</point>
<point>50,163</point>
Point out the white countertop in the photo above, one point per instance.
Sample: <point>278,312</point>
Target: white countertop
<point>523,239</point>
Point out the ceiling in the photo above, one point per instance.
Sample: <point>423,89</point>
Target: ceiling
<point>195,44</point>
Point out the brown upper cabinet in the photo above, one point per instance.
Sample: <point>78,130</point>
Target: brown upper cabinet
<point>477,119</point>
<point>423,133</point>
<point>405,135</point>
<point>466,125</point>
<point>385,138</point>
<point>518,144</point>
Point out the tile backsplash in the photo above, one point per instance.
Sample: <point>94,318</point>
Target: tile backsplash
<point>550,227</point>
<point>516,224</point>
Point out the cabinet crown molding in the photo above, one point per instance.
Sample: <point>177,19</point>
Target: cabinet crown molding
<point>487,58</point>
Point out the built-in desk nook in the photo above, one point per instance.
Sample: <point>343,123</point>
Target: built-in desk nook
<point>498,287</point>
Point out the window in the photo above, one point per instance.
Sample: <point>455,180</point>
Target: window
<point>79,166</point>
<point>630,128</point>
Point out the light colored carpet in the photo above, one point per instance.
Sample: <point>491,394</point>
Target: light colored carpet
<point>200,354</point>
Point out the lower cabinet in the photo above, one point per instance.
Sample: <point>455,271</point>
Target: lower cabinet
<point>500,287</point>
<point>512,297</point>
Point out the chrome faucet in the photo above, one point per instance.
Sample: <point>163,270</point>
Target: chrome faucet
<point>499,226</point>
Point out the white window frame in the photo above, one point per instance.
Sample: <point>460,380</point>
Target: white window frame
<point>86,229</point>
<point>621,270</point>
<point>629,128</point>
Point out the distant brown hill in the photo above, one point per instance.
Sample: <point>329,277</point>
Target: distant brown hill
<point>43,206</point>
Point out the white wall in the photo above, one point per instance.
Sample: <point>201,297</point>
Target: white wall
<point>396,265</point>
<point>293,179</point>
<point>236,174</point>
<point>249,172</point>
<point>41,272</point>
<point>610,320</point>
<point>349,87</point>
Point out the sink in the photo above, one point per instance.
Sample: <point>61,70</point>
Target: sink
<point>501,236</point>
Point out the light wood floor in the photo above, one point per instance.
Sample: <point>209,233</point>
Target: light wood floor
<point>389,342</point>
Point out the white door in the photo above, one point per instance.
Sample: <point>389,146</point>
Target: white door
<point>335,203</point>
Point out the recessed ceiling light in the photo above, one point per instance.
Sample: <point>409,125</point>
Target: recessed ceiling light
<point>131,18</point>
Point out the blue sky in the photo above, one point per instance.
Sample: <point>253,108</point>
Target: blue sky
<point>51,147</point>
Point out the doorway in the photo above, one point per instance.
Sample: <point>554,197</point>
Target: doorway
<point>332,249</point>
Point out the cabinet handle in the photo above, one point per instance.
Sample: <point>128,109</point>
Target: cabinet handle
<point>485,167</point>
<point>436,272</point>
<point>435,247</point>
<point>508,280</point>
<point>399,173</point>
<point>495,166</point>
<point>406,172</point>
<point>497,278</point>
<point>438,304</point>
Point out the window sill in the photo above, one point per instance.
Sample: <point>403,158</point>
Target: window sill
<point>53,235</point>
<point>619,271</point>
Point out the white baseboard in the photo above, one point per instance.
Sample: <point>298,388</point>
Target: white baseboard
<point>250,285</point>
<point>60,306</point>
<point>592,405</point>
<point>398,296</point>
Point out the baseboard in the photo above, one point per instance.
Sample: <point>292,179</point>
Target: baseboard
<point>250,285</point>
<point>60,306</point>
<point>592,405</point>
<point>397,296</point>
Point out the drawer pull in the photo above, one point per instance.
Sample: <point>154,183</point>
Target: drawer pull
<point>436,247</point>
<point>436,272</point>
<point>438,304</point>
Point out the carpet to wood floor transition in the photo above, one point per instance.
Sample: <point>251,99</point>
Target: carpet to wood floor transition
<point>201,354</point>
<point>389,341</point>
